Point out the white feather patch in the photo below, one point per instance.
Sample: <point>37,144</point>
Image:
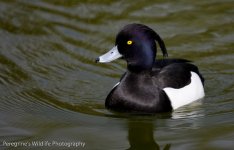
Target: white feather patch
<point>116,85</point>
<point>187,94</point>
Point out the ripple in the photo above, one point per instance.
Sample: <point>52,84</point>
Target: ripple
<point>11,72</point>
<point>24,24</point>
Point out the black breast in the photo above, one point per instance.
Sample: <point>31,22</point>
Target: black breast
<point>138,93</point>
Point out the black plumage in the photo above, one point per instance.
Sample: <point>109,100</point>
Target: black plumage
<point>141,87</point>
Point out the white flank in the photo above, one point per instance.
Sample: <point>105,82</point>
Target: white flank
<point>187,94</point>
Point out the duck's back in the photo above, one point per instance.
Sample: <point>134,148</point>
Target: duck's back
<point>175,73</point>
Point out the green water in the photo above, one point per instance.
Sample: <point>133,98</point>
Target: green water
<point>52,90</point>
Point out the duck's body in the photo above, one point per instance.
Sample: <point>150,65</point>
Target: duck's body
<point>150,85</point>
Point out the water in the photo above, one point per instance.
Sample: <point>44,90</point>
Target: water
<point>52,90</point>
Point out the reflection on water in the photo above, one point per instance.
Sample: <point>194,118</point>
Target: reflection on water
<point>51,88</point>
<point>141,135</point>
<point>193,110</point>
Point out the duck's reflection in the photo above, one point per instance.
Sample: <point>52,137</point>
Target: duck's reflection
<point>141,135</point>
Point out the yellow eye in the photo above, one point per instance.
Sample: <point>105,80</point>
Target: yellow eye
<point>129,42</point>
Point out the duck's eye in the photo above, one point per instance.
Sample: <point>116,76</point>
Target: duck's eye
<point>129,42</point>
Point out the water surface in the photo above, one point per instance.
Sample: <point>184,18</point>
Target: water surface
<point>52,90</point>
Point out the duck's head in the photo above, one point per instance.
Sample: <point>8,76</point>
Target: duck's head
<point>136,43</point>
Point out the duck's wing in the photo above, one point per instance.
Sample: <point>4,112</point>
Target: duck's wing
<point>177,75</point>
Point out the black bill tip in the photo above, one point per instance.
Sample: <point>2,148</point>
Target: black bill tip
<point>97,60</point>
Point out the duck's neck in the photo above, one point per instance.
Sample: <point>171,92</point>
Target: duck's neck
<point>140,66</point>
<point>139,70</point>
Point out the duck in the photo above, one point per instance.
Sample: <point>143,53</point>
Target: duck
<point>150,85</point>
